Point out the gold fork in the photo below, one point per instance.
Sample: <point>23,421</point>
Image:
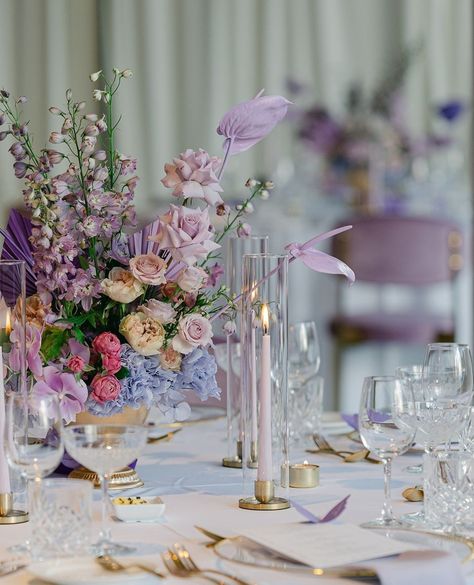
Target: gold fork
<point>182,554</point>
<point>111,564</point>
<point>174,566</point>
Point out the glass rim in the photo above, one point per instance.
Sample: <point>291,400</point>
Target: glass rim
<point>447,344</point>
<point>305,322</point>
<point>383,378</point>
<point>12,262</point>
<point>267,255</point>
<point>251,237</point>
<point>66,481</point>
<point>104,425</point>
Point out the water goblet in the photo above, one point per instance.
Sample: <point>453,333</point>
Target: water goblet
<point>33,440</point>
<point>387,429</point>
<point>105,449</point>
<point>412,376</point>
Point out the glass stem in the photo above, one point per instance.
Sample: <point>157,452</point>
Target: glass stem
<point>387,513</point>
<point>104,534</point>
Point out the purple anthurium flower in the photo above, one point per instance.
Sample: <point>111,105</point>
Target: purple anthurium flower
<point>249,122</point>
<point>72,393</point>
<point>33,346</point>
<point>320,261</point>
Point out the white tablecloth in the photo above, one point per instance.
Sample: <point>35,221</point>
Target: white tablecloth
<point>197,490</point>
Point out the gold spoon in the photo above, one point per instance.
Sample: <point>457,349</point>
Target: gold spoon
<point>413,494</point>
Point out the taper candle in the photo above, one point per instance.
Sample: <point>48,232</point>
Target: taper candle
<point>264,471</point>
<point>4,471</point>
<point>253,374</point>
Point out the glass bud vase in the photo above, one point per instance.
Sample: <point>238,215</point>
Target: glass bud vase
<point>236,249</point>
<point>264,373</point>
<point>12,377</point>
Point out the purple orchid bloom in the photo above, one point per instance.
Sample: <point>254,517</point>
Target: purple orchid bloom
<point>249,122</point>
<point>320,261</point>
<point>33,346</point>
<point>72,394</point>
<point>80,350</point>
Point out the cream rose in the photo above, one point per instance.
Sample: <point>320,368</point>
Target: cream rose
<point>170,359</point>
<point>149,269</point>
<point>122,286</point>
<point>191,279</point>
<point>193,331</point>
<point>162,312</point>
<point>145,334</point>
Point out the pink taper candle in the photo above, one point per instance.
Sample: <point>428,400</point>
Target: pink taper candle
<point>264,471</point>
<point>253,374</point>
<point>4,471</point>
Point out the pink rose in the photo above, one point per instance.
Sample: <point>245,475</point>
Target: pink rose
<point>192,278</point>
<point>111,363</point>
<point>193,175</point>
<point>104,388</point>
<point>162,312</point>
<point>149,269</point>
<point>186,233</point>
<point>76,364</point>
<point>193,331</point>
<point>107,344</point>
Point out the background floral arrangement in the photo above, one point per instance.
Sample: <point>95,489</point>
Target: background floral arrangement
<point>117,317</point>
<point>370,141</point>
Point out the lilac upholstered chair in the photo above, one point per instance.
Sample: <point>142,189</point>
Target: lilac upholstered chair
<point>412,252</point>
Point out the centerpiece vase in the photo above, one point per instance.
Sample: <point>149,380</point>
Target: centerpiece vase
<point>124,478</point>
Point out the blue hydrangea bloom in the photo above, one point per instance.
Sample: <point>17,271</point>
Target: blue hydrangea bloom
<point>198,373</point>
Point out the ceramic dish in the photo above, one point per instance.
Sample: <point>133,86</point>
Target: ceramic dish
<point>151,511</point>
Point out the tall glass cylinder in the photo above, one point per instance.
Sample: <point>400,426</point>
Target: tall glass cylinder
<point>264,373</point>
<point>236,249</point>
<point>12,367</point>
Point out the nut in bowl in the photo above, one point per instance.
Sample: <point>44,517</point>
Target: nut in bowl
<point>138,509</point>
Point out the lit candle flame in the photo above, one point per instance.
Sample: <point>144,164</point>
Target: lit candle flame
<point>8,323</point>
<point>265,319</point>
<point>305,462</point>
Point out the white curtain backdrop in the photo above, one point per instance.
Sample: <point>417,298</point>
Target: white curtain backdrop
<point>193,59</point>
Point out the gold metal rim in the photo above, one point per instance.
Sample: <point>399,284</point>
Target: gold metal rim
<point>121,480</point>
<point>253,504</point>
<point>14,517</point>
<point>234,462</point>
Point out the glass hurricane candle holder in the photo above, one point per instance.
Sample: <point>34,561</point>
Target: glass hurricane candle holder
<point>12,367</point>
<point>264,375</point>
<point>236,249</point>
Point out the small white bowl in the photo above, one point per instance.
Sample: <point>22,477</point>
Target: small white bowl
<point>149,512</point>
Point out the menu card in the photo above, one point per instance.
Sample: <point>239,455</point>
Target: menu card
<point>327,545</point>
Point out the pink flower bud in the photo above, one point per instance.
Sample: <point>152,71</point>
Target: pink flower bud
<point>127,73</point>
<point>101,125</point>
<point>80,106</point>
<point>54,156</point>
<point>69,94</point>
<point>55,111</point>
<point>56,138</point>
<point>95,76</point>
<point>67,125</point>
<point>91,117</point>
<point>22,99</point>
<point>100,155</point>
<point>222,209</point>
<point>101,174</point>
<point>97,95</point>
<point>229,327</point>
<point>3,135</point>
<point>91,130</point>
<point>244,230</point>
<point>190,299</point>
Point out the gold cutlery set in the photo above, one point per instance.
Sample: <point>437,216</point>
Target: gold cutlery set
<point>323,446</point>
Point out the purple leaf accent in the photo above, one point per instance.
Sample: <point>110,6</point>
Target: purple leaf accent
<point>352,420</point>
<point>16,246</point>
<point>333,513</point>
<point>336,511</point>
<point>249,122</point>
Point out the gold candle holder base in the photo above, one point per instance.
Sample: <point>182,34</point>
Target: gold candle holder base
<point>7,514</point>
<point>120,480</point>
<point>235,462</point>
<point>264,498</point>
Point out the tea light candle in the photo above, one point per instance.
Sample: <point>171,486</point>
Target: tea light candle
<point>304,475</point>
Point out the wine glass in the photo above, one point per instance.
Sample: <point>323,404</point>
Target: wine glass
<point>412,376</point>
<point>304,358</point>
<point>386,428</point>
<point>33,441</point>
<point>105,449</point>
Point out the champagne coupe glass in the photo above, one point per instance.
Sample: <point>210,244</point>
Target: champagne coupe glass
<point>386,428</point>
<point>304,358</point>
<point>33,440</point>
<point>105,449</point>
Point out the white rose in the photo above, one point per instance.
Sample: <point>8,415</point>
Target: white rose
<point>191,279</point>
<point>162,312</point>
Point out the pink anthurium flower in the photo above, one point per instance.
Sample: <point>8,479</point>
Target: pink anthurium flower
<point>249,122</point>
<point>320,261</point>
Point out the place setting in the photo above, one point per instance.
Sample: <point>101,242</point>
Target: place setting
<point>241,355</point>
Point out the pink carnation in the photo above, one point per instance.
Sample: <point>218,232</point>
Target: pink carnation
<point>104,388</point>
<point>186,234</point>
<point>111,363</point>
<point>76,364</point>
<point>193,175</point>
<point>107,344</point>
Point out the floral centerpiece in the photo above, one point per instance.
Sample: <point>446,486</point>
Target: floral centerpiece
<point>119,317</point>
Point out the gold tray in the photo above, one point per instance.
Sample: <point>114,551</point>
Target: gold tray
<point>120,480</point>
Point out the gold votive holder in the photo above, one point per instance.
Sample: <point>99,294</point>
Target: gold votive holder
<point>7,514</point>
<point>302,475</point>
<point>264,498</point>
